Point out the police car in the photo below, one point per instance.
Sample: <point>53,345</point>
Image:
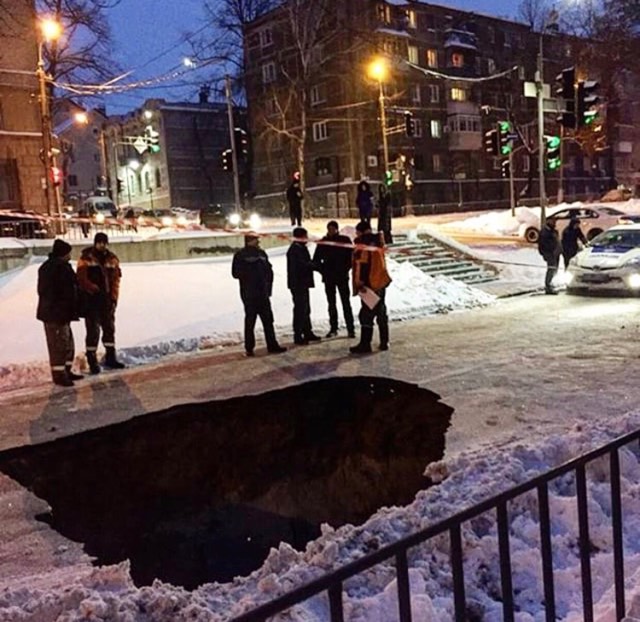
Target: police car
<point>611,262</point>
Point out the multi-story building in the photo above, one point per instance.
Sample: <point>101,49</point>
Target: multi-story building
<point>457,73</point>
<point>183,168</point>
<point>21,169</point>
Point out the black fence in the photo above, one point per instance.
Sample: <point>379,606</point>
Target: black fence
<point>332,584</point>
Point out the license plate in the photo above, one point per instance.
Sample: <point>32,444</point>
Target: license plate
<point>595,278</point>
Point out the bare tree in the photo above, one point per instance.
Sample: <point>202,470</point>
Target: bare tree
<point>535,13</point>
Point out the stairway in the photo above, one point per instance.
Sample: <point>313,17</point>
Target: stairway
<point>435,257</point>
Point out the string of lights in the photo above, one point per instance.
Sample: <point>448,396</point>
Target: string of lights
<point>445,76</point>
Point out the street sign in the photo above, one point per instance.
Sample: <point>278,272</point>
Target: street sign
<point>140,145</point>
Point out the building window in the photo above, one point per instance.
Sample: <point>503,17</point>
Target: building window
<point>412,54</point>
<point>464,123</point>
<point>415,94</point>
<point>457,60</point>
<point>432,58</point>
<point>158,178</point>
<point>384,13</point>
<point>268,73</point>
<point>147,181</point>
<point>72,180</point>
<point>412,19</point>
<point>491,34</point>
<point>521,75</point>
<point>417,128</point>
<point>434,93</point>
<point>265,37</point>
<point>317,95</point>
<point>526,164</point>
<point>491,65</point>
<point>458,94</point>
<point>436,162</point>
<point>320,131</point>
<point>323,166</point>
<point>436,128</point>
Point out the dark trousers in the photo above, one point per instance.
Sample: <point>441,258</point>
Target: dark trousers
<point>301,313</point>
<point>568,257</point>
<point>60,345</point>
<point>255,308</point>
<point>379,314</point>
<point>102,317</point>
<point>295,213</point>
<point>552,269</point>
<point>330,287</point>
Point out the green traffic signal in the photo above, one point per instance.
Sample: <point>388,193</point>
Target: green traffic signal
<point>553,152</point>
<point>504,126</point>
<point>506,144</point>
<point>388,178</point>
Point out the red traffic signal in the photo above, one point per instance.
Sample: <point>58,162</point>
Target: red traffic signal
<point>55,174</point>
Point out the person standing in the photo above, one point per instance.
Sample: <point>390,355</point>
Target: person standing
<point>333,260</point>
<point>384,213</point>
<point>570,238</point>
<point>294,198</point>
<point>252,268</point>
<point>99,277</point>
<point>57,308</point>
<point>300,281</point>
<point>370,273</point>
<point>364,200</point>
<point>550,248</point>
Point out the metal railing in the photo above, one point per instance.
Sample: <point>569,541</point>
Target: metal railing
<point>332,583</point>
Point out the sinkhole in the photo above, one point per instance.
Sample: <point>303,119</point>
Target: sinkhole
<point>201,492</point>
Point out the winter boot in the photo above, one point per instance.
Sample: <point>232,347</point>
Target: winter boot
<point>92,360</point>
<point>110,359</point>
<point>384,336</point>
<point>61,379</point>
<point>71,375</point>
<point>364,347</point>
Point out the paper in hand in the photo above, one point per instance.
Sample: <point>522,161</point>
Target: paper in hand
<point>369,297</point>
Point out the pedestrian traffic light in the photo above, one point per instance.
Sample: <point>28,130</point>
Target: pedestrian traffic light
<point>242,142</point>
<point>226,160</point>
<point>492,142</point>
<point>388,178</point>
<point>506,169</point>
<point>566,89</point>
<point>504,131</point>
<point>586,101</point>
<point>409,125</point>
<point>56,176</point>
<point>552,152</point>
<point>152,137</point>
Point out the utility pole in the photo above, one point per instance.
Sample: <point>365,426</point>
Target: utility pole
<point>512,189</point>
<point>540,100</point>
<point>232,138</point>
<point>561,180</point>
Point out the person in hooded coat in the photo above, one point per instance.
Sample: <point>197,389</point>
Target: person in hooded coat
<point>571,236</point>
<point>364,201</point>
<point>550,248</point>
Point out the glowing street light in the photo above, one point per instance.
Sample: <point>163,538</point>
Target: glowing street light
<point>148,115</point>
<point>81,117</point>
<point>378,71</point>
<point>188,62</point>
<point>51,29</point>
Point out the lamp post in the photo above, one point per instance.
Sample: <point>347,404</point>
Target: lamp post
<point>378,71</point>
<point>50,30</point>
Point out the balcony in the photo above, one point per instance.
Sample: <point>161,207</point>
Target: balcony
<point>461,39</point>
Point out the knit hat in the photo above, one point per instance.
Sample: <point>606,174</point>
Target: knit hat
<point>101,237</point>
<point>60,248</point>
<point>333,223</point>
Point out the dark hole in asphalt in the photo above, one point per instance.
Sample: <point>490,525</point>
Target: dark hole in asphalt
<point>201,492</point>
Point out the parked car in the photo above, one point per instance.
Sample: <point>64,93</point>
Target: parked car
<point>185,217</point>
<point>157,218</point>
<point>610,262</point>
<point>99,209</point>
<point>227,217</point>
<point>23,224</point>
<point>594,219</point>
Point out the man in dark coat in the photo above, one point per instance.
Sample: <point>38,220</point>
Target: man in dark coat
<point>334,263</point>
<point>57,308</point>
<point>384,213</point>
<point>99,277</point>
<point>364,200</point>
<point>294,198</point>
<point>570,237</point>
<point>300,281</point>
<point>252,268</point>
<point>550,248</point>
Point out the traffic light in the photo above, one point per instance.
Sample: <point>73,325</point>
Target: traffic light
<point>492,142</point>
<point>552,152</point>
<point>153,139</point>
<point>226,160</point>
<point>388,178</point>
<point>409,125</point>
<point>506,169</point>
<point>504,131</point>
<point>566,89</point>
<point>586,100</point>
<point>56,176</point>
<point>242,142</point>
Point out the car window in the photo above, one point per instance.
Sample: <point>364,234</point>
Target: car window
<point>612,211</point>
<point>588,213</point>
<point>562,214</point>
<point>617,237</point>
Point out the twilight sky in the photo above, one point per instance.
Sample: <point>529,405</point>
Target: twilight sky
<point>150,38</point>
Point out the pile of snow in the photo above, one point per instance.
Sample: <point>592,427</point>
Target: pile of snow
<point>183,306</point>
<point>109,594</point>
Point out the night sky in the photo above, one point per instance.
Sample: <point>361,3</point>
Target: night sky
<point>145,30</point>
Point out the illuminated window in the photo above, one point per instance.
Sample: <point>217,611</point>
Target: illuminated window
<point>412,19</point>
<point>458,94</point>
<point>432,58</point>
<point>457,59</point>
<point>436,128</point>
<point>413,54</point>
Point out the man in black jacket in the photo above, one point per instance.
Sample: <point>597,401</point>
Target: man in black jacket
<point>252,268</point>
<point>334,263</point>
<point>294,198</point>
<point>550,248</point>
<point>57,308</point>
<point>570,238</point>
<point>300,281</point>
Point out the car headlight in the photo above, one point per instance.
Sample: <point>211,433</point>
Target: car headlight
<point>100,218</point>
<point>181,221</point>
<point>255,222</point>
<point>166,221</point>
<point>235,220</point>
<point>634,281</point>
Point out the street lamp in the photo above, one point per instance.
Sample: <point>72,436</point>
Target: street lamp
<point>378,71</point>
<point>50,30</point>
